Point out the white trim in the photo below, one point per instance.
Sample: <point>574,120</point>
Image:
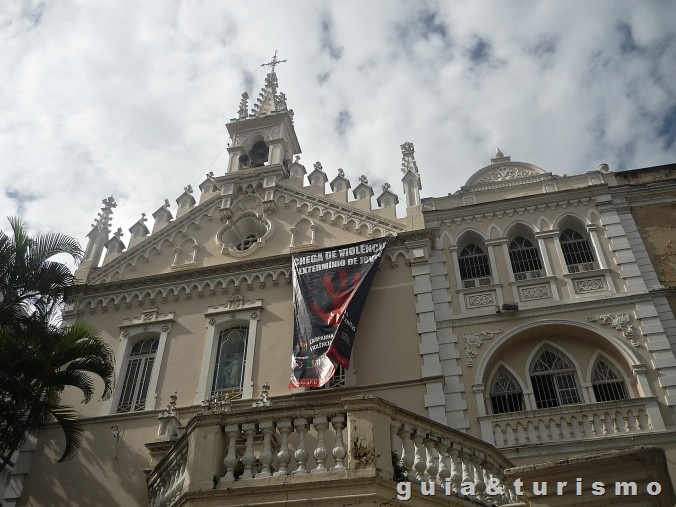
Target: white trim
<point>150,323</point>
<point>233,313</point>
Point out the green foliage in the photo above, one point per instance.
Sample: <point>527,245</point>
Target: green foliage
<point>40,357</point>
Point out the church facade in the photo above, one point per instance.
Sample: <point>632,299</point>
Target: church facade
<point>514,322</point>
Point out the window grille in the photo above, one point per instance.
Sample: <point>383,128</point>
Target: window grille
<point>473,263</point>
<point>247,242</point>
<point>230,361</point>
<point>137,377</point>
<point>607,384</point>
<point>506,394</point>
<point>339,379</point>
<point>576,251</point>
<point>554,380</point>
<point>524,258</point>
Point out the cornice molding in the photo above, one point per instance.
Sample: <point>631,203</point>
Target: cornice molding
<point>565,307</point>
<point>516,205</point>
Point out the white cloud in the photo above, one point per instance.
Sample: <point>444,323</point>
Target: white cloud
<point>131,99</point>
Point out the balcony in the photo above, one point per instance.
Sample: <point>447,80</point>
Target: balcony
<point>354,448</point>
<point>637,420</point>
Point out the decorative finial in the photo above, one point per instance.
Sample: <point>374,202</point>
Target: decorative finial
<point>297,159</point>
<point>109,202</point>
<point>318,166</point>
<point>498,153</point>
<point>386,187</point>
<point>167,204</point>
<point>188,189</point>
<point>118,234</point>
<point>273,63</point>
<point>143,217</point>
<point>407,149</point>
<point>603,168</point>
<point>210,174</point>
<point>341,173</point>
<point>363,179</point>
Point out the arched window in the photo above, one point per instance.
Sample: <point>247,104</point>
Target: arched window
<point>137,377</point>
<point>229,365</point>
<point>525,259</point>
<point>607,384</point>
<point>554,380</point>
<point>576,251</point>
<point>474,267</point>
<point>506,394</point>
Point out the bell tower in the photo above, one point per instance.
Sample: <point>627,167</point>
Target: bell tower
<point>263,136</point>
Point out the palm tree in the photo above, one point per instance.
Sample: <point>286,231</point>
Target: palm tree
<point>29,281</point>
<point>41,358</point>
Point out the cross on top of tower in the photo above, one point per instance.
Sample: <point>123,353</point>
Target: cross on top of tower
<point>274,62</point>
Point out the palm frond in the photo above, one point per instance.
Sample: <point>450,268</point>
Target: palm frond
<point>67,418</point>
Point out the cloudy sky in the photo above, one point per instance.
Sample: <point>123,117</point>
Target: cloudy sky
<point>130,98</point>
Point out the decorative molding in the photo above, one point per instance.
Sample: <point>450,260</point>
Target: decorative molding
<point>474,340</point>
<point>149,316</point>
<point>589,285</point>
<point>267,133</point>
<point>480,300</point>
<point>534,292</point>
<point>505,173</point>
<point>547,309</point>
<point>620,322</point>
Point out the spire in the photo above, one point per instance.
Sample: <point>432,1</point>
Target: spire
<point>411,177</point>
<point>408,158</point>
<point>269,101</point>
<point>98,236</point>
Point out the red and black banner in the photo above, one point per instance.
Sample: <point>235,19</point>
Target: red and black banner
<point>330,287</point>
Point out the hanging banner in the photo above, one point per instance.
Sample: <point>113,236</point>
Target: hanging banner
<point>329,292</point>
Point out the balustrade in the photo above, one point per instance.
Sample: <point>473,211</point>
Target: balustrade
<point>248,446</point>
<point>571,423</point>
<point>168,486</point>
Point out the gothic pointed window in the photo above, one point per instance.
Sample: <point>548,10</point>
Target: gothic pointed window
<point>525,259</point>
<point>576,251</point>
<point>474,267</point>
<point>506,394</point>
<point>137,376</point>
<point>229,365</point>
<point>554,379</point>
<point>607,383</point>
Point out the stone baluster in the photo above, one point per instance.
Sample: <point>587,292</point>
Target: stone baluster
<point>339,453</point>
<point>444,468</point>
<point>407,457</point>
<point>249,459</point>
<point>627,427</point>
<point>613,418</point>
<point>321,424</point>
<point>486,478</point>
<point>230,461</point>
<point>301,454</point>
<point>420,464</point>
<point>479,484</point>
<point>467,473</point>
<point>284,454</point>
<point>266,457</point>
<point>432,461</point>
<point>456,468</point>
<point>637,418</point>
<point>604,426</point>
